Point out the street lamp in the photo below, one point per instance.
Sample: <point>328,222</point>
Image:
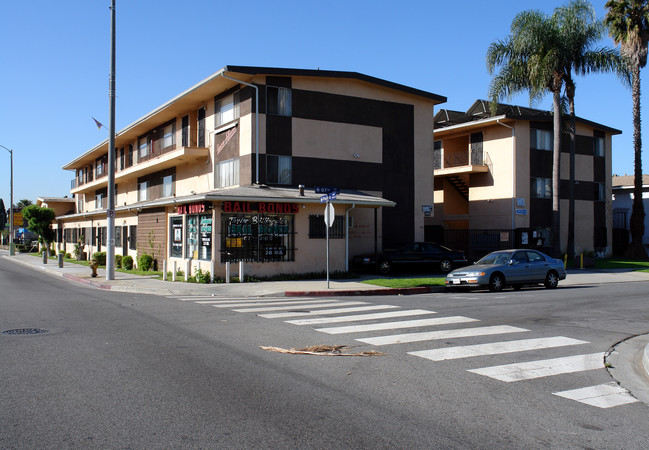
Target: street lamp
<point>12,250</point>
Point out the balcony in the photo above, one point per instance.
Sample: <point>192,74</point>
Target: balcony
<point>461,162</point>
<point>153,163</point>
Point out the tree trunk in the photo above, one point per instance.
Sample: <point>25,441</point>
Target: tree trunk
<point>636,250</point>
<point>556,165</point>
<point>571,187</point>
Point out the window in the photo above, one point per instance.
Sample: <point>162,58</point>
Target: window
<point>257,237</point>
<point>80,202</point>
<point>541,139</point>
<point>130,156</point>
<point>99,200</point>
<point>437,155</point>
<point>118,236</point>
<point>176,237</point>
<point>278,169</point>
<point>142,191</point>
<point>278,101</point>
<point>143,145</point>
<point>318,230</point>
<point>227,173</point>
<point>541,188</point>
<point>169,136</point>
<point>185,132</point>
<point>132,237</point>
<point>168,186</point>
<point>100,165</point>
<point>226,109</point>
<point>598,146</point>
<point>199,237</point>
<point>619,219</point>
<point>600,190</point>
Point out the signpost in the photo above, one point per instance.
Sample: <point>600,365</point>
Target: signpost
<point>329,216</point>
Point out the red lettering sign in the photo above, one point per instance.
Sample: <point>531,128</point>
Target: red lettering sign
<point>261,207</point>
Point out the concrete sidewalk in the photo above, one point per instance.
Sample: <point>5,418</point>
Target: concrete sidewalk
<point>629,359</point>
<point>124,282</point>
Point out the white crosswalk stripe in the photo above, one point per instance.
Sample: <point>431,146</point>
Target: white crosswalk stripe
<point>396,325</point>
<point>543,368</point>
<point>258,303</point>
<point>442,334</point>
<point>326,311</point>
<point>602,396</point>
<point>360,317</point>
<point>295,307</point>
<point>496,348</point>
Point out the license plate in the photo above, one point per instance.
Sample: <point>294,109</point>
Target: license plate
<point>456,281</point>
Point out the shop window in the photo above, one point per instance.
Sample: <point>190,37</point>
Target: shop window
<point>541,139</point>
<point>227,173</point>
<point>279,169</point>
<point>257,237</point>
<point>318,228</point>
<point>278,101</point>
<point>176,237</point>
<point>541,188</point>
<point>226,109</point>
<point>199,237</point>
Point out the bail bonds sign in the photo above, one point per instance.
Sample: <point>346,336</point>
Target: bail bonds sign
<point>260,207</point>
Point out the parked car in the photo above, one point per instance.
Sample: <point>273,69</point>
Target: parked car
<point>514,268</point>
<point>415,256</point>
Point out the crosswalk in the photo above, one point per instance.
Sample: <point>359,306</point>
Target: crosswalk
<point>360,319</point>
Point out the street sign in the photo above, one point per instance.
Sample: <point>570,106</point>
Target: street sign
<point>326,190</point>
<point>324,199</point>
<point>329,215</point>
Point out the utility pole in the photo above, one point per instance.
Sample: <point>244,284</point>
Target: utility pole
<point>110,210</point>
<point>12,248</point>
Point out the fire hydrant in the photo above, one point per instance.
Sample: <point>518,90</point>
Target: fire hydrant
<point>93,265</point>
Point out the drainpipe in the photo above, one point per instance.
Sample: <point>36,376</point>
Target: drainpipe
<point>513,171</point>
<point>347,237</point>
<point>256,122</point>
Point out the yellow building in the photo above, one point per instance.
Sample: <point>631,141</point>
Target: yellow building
<point>232,170</point>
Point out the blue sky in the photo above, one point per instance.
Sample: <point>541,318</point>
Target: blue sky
<point>54,64</point>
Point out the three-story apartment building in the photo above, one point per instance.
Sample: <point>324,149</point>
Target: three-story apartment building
<point>231,170</point>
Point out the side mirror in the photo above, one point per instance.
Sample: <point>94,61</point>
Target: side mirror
<point>511,262</point>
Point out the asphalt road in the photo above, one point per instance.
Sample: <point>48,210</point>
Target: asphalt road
<point>139,371</point>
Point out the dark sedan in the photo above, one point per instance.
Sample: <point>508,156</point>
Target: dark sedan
<point>416,256</point>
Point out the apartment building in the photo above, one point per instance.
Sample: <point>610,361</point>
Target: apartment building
<point>623,196</point>
<point>235,168</point>
<point>493,179</point>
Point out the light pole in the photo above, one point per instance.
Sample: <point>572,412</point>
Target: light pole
<point>11,204</point>
<point>110,213</point>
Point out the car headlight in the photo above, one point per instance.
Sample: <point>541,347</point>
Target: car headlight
<point>474,274</point>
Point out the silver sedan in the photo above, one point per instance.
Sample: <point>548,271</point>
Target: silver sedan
<point>514,268</point>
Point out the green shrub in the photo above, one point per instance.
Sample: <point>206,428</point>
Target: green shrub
<point>144,262</point>
<point>68,256</point>
<point>118,261</point>
<point>180,274</point>
<point>100,257</point>
<point>202,277</point>
<point>52,252</point>
<point>127,262</point>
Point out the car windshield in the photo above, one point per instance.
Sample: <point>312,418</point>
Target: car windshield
<point>494,258</point>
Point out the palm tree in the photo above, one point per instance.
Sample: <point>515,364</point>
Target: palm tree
<point>529,60</point>
<point>580,30</point>
<point>628,24</point>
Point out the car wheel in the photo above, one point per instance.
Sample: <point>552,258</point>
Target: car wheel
<point>551,280</point>
<point>445,265</point>
<point>496,282</point>
<point>385,267</point>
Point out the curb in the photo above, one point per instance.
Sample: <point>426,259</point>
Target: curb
<point>645,360</point>
<point>91,283</point>
<point>390,291</point>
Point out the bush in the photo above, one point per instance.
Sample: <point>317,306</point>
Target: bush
<point>127,262</point>
<point>118,261</point>
<point>68,256</point>
<point>202,277</point>
<point>100,257</point>
<point>52,252</point>
<point>144,262</point>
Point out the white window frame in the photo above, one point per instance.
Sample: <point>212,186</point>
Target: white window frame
<point>227,173</point>
<point>169,135</point>
<point>226,109</point>
<point>99,200</point>
<point>143,148</point>
<point>143,191</point>
<point>168,186</point>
